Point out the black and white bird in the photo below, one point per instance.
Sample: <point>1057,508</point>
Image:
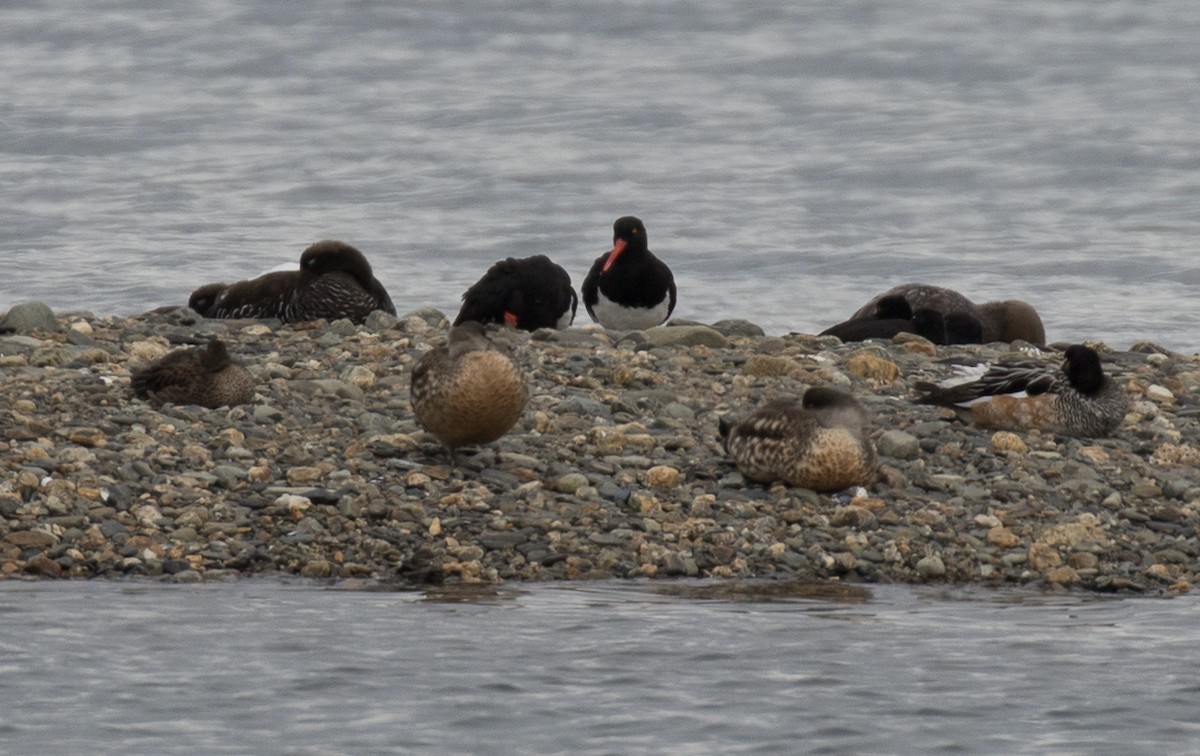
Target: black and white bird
<point>629,288</point>
<point>526,293</point>
<point>1077,400</point>
<point>334,281</point>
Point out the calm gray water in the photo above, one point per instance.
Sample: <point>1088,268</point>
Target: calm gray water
<point>266,667</point>
<point>789,159</point>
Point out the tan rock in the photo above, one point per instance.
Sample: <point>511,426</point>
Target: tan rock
<point>1086,528</point>
<point>1004,442</point>
<point>1003,537</point>
<point>1043,557</point>
<point>44,565</point>
<point>769,366</point>
<point>1082,560</point>
<point>303,475</point>
<point>360,376</point>
<point>931,566</point>
<point>148,516</point>
<point>1176,454</point>
<point>1096,455</point>
<point>1062,576</point>
<point>872,367</point>
<point>317,568</point>
<point>31,539</point>
<point>853,516</point>
<point>868,503</point>
<point>916,344</point>
<point>295,505</point>
<point>1159,570</point>
<point>663,476</point>
<point>28,479</point>
<point>416,479</point>
<point>149,350</point>
<point>1160,394</point>
<point>89,437</point>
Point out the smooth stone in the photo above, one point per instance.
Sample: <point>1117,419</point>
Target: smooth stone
<point>36,539</point>
<point>570,483</point>
<point>584,406</point>
<point>566,337</point>
<point>28,317</point>
<point>517,459</point>
<point>432,316</point>
<point>677,411</point>
<point>612,492</point>
<point>735,327</point>
<point>931,567</point>
<point>267,413</point>
<point>898,445</point>
<point>697,335</point>
<point>373,422</point>
<point>381,321</point>
<point>78,338</point>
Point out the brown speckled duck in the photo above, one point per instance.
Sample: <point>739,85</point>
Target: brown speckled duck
<point>334,281</point>
<point>819,442</point>
<point>468,391</point>
<point>207,376</point>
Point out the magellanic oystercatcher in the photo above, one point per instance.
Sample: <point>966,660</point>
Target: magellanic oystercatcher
<point>334,281</point>
<point>526,293</point>
<point>820,442</point>
<point>1077,400</point>
<point>1007,320</point>
<point>629,288</point>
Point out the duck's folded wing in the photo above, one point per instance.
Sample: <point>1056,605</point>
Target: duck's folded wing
<point>1032,378</point>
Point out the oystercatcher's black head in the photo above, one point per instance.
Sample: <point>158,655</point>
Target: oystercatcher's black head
<point>628,234</point>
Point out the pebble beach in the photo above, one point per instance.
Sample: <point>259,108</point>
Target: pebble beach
<point>614,471</point>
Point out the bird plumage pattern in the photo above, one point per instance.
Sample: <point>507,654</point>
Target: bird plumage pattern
<point>334,281</point>
<point>819,442</point>
<point>1078,399</point>
<point>206,376</point>
<point>467,391</point>
<point>628,288</point>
